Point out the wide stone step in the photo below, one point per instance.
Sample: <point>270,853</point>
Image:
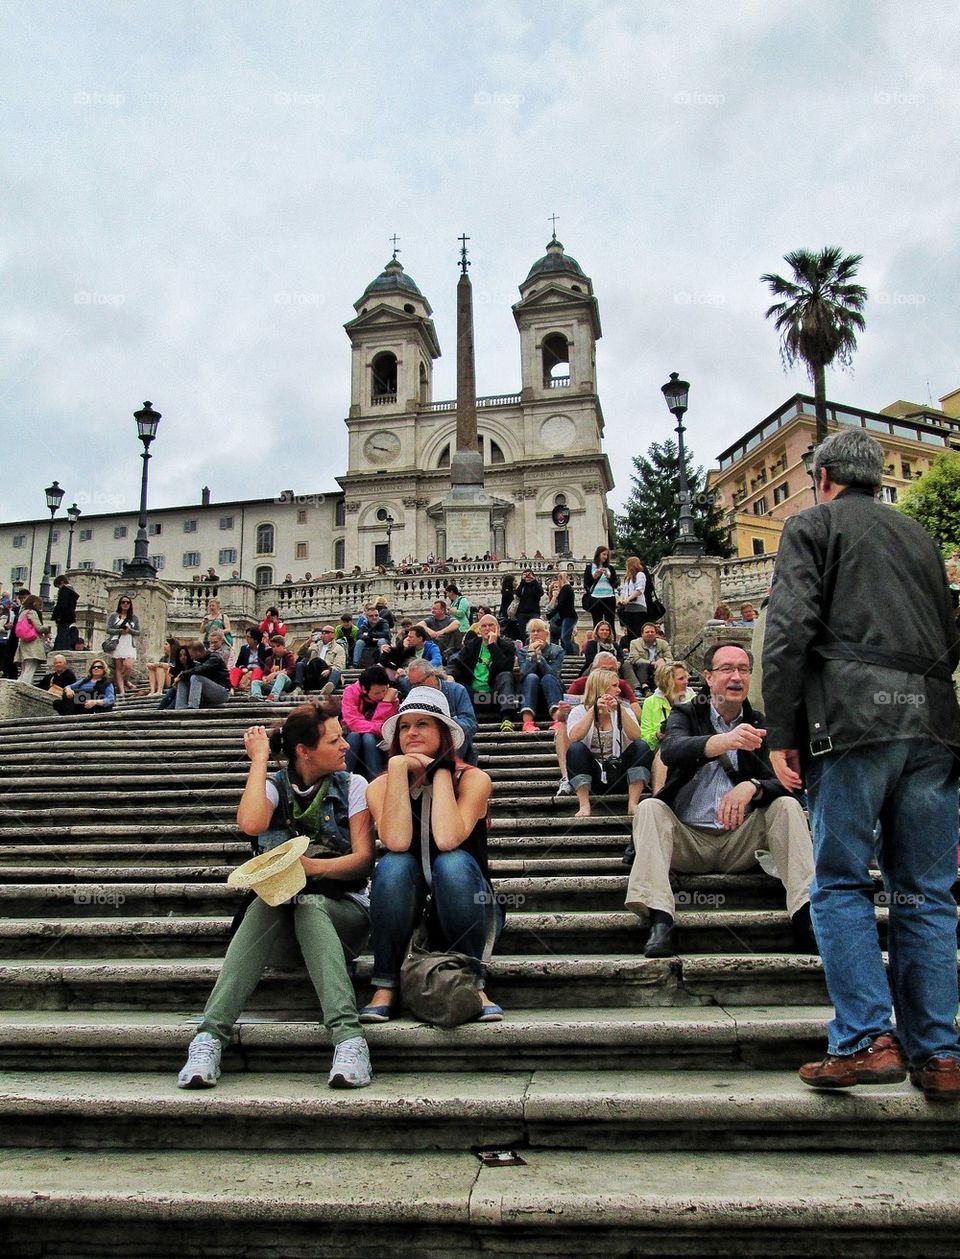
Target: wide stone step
<point>152,1203</point>
<point>537,981</point>
<point>136,783</point>
<point>112,926</point>
<point>685,1038</point>
<point>533,1110</point>
<point>91,856</point>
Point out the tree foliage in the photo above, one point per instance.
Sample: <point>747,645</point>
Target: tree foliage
<point>819,318</point>
<point>934,501</point>
<point>651,523</point>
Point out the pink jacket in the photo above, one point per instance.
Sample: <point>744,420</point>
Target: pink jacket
<point>353,717</point>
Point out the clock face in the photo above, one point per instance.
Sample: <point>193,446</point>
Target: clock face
<point>382,447</point>
<point>558,432</point>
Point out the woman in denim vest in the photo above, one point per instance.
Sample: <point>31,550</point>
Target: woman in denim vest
<point>315,797</point>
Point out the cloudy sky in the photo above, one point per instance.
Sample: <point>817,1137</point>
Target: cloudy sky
<point>192,195</point>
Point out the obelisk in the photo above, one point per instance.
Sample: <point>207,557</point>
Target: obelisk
<point>466,508</point>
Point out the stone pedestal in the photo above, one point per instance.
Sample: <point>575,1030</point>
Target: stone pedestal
<point>466,516</point>
<point>150,599</point>
<point>19,699</point>
<point>689,588</point>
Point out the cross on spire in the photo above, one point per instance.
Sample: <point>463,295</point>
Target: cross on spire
<point>464,263</point>
<point>553,219</point>
<point>394,238</point>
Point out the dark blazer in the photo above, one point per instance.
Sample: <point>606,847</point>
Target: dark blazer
<point>685,736</point>
<point>503,655</point>
<point>565,604</point>
<point>65,608</point>
<point>211,666</point>
<point>856,574</point>
<point>251,658</point>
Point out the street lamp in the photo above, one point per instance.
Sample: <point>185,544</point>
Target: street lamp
<point>54,498</point>
<point>808,457</point>
<point>147,422</point>
<point>675,393</point>
<point>389,521</point>
<point>73,515</point>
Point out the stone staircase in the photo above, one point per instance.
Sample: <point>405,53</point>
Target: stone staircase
<point>655,1103</point>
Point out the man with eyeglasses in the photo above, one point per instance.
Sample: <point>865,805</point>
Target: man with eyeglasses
<point>721,809</point>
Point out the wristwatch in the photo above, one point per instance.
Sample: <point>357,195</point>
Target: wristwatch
<point>759,787</point>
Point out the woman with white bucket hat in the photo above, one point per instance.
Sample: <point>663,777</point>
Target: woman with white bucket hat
<point>316,842</point>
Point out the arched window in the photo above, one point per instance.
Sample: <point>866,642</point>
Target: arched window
<point>339,553</point>
<point>556,361</point>
<point>491,451</point>
<point>264,576</point>
<point>340,513</point>
<point>264,539</point>
<point>384,379</point>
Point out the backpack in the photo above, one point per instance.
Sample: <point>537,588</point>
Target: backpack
<point>25,630</point>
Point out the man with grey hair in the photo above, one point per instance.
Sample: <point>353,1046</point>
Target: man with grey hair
<point>421,672</point>
<point>859,649</point>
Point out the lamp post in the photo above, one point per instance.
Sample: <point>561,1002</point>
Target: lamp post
<point>54,498</point>
<point>140,566</point>
<point>389,521</point>
<point>675,393</point>
<point>808,457</point>
<point>73,515</point>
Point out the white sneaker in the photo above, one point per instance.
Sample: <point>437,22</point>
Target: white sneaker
<point>202,1068</point>
<point>564,788</point>
<point>351,1065</point>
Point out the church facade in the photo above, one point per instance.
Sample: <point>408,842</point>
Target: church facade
<point>541,447</point>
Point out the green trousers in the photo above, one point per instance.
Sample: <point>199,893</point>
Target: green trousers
<point>327,932</point>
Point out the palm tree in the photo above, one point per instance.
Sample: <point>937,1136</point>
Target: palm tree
<point>820,316</point>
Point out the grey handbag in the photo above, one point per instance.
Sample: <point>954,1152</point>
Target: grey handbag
<point>440,987</point>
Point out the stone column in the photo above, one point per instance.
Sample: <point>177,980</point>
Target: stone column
<point>150,599</point>
<point>689,588</point>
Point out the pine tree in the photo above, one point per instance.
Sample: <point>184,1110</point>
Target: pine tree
<point>934,500</point>
<point>651,524</point>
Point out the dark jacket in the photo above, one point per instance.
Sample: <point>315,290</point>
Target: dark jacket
<point>252,657</point>
<point>210,666</point>
<point>688,728</point>
<point>65,608</point>
<point>855,577</point>
<point>529,594</point>
<point>503,655</point>
<point>565,605</point>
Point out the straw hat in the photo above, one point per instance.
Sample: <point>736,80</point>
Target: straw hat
<point>276,875</point>
<point>424,699</point>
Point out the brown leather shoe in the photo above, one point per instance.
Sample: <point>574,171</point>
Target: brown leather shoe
<point>938,1077</point>
<point>880,1063</point>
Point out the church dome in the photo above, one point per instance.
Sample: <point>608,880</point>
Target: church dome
<point>555,262</point>
<point>392,279</point>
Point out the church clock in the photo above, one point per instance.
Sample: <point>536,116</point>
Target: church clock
<point>382,447</point>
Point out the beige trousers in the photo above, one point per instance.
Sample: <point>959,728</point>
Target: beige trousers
<point>663,844</point>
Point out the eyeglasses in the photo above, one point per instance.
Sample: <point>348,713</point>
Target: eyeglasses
<point>727,669</point>
<point>97,666</point>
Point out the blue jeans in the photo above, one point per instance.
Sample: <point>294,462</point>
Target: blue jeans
<point>364,748</point>
<point>910,787</point>
<point>280,684</point>
<point>567,626</point>
<point>533,686</point>
<point>461,900</point>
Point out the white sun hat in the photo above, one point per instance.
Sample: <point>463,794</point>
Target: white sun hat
<point>276,875</point>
